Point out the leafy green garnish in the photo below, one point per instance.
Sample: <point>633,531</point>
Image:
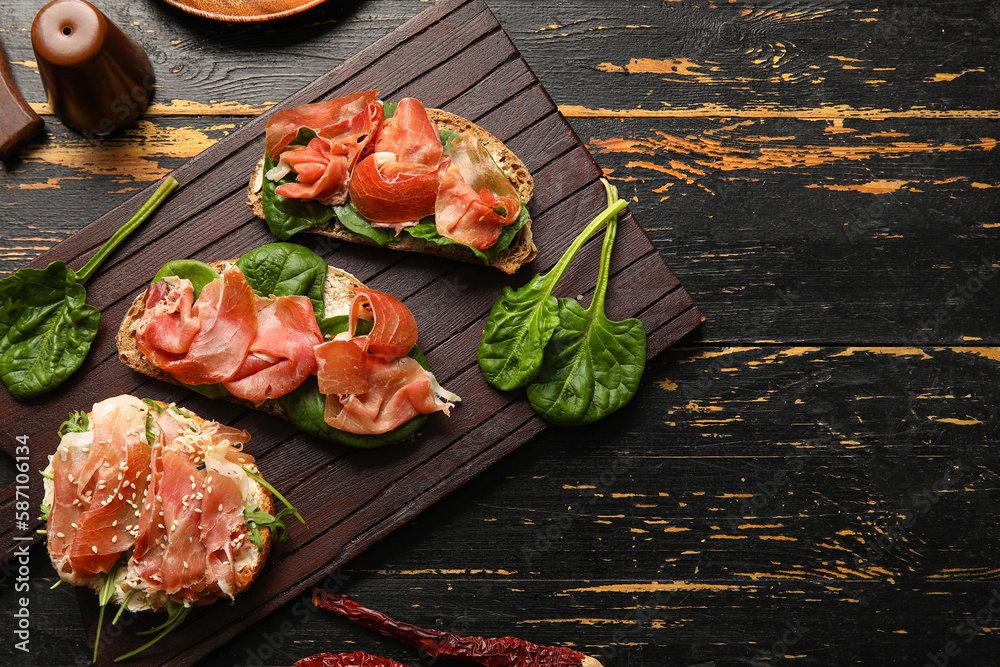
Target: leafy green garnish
<point>46,475</point>
<point>350,218</point>
<point>263,482</point>
<point>522,321</point>
<point>199,273</point>
<point>78,422</point>
<point>284,269</point>
<point>46,325</point>
<point>257,518</point>
<point>46,511</point>
<point>175,616</point>
<point>106,593</point>
<point>592,365</point>
<point>286,216</point>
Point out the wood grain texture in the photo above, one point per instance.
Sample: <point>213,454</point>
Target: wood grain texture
<point>833,232</point>
<point>453,52</point>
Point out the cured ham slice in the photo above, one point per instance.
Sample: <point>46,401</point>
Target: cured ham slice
<point>397,184</point>
<point>323,167</point>
<point>192,523</point>
<point>370,385</point>
<point>227,321</point>
<point>395,194</point>
<point>281,354</point>
<point>284,126</point>
<point>410,135</point>
<point>400,390</point>
<point>475,200</point>
<point>394,332</point>
<point>99,479</point>
<point>342,367</point>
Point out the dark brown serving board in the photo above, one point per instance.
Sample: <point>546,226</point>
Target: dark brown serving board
<point>455,56</point>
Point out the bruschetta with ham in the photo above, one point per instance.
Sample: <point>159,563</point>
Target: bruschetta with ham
<point>396,175</point>
<point>281,331</point>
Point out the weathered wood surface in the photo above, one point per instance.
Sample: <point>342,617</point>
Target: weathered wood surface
<point>823,177</point>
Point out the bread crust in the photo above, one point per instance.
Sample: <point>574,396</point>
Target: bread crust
<point>247,574</point>
<point>521,250</point>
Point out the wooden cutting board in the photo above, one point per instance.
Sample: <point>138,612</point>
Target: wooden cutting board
<point>455,56</point>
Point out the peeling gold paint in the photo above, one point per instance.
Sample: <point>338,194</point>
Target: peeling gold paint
<point>186,108</point>
<point>992,353</point>
<point>828,112</point>
<point>667,384</point>
<point>954,420</point>
<point>941,76</point>
<point>654,587</point>
<point>893,351</point>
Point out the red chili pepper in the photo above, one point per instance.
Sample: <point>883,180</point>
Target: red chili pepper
<point>356,659</point>
<point>499,652</point>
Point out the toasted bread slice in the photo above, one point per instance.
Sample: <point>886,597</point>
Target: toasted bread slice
<point>249,559</point>
<point>521,250</point>
<point>337,296</point>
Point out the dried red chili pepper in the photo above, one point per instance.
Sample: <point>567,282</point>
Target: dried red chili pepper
<point>356,659</point>
<point>499,652</point>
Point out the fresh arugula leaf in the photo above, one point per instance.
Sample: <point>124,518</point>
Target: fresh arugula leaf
<point>46,511</point>
<point>522,321</point>
<point>257,518</point>
<point>175,617</point>
<point>285,269</point>
<point>106,593</point>
<point>46,325</point>
<point>78,422</point>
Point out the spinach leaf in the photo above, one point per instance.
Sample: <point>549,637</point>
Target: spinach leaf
<point>428,232</point>
<point>286,216</point>
<point>522,321</point>
<point>592,365</point>
<point>199,273</point>
<point>350,218</point>
<point>46,326</point>
<point>285,269</point>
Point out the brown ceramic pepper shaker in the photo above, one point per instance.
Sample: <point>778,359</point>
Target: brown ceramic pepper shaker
<point>98,79</point>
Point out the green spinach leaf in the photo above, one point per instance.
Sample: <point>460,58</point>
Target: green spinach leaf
<point>522,321</point>
<point>592,365</point>
<point>46,326</point>
<point>286,216</point>
<point>350,218</point>
<point>199,273</point>
<point>285,269</point>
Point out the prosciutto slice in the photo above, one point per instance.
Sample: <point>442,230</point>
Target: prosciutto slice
<point>226,318</point>
<point>99,479</point>
<point>284,126</point>
<point>394,332</point>
<point>343,127</point>
<point>400,389</point>
<point>475,200</point>
<point>370,385</point>
<point>192,523</point>
<point>397,184</point>
<point>281,354</point>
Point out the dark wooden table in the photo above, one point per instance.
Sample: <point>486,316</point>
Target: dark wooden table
<point>812,478</point>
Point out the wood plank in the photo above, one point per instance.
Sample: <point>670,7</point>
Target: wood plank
<point>374,491</point>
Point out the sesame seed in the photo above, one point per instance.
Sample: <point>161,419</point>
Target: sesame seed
<point>220,507</point>
<point>114,538</point>
<point>94,549</point>
<point>185,565</point>
<point>114,523</point>
<point>60,535</point>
